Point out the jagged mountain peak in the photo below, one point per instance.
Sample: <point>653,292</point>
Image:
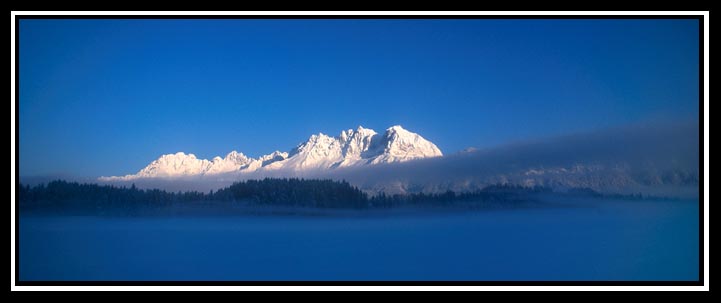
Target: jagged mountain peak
<point>399,145</point>
<point>274,156</point>
<point>396,128</point>
<point>350,133</point>
<point>177,155</point>
<point>362,146</point>
<point>235,154</point>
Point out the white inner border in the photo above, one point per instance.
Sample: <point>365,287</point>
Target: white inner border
<point>705,287</point>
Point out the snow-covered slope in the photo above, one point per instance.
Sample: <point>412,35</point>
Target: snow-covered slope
<point>398,145</point>
<point>359,147</point>
<point>174,165</point>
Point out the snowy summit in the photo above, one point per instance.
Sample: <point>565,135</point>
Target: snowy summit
<point>358,147</point>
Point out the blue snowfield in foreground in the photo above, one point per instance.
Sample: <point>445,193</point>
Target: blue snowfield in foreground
<point>584,240</point>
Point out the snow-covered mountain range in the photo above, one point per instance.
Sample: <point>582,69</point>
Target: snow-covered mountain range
<point>654,159</point>
<point>352,148</point>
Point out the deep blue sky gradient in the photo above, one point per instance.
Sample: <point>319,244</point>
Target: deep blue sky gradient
<point>106,97</point>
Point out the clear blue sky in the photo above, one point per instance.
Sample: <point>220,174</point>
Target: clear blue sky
<point>106,97</point>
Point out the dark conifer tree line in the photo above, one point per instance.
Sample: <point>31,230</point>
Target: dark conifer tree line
<point>281,192</point>
<point>294,192</point>
<point>312,193</point>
